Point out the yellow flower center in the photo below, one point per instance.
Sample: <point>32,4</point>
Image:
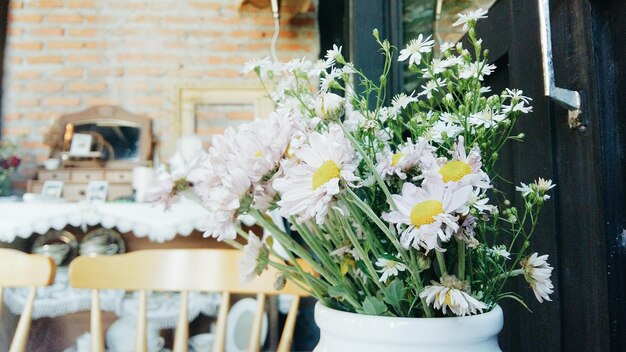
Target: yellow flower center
<point>424,213</point>
<point>326,172</point>
<point>259,154</point>
<point>448,299</point>
<point>454,170</point>
<point>395,159</point>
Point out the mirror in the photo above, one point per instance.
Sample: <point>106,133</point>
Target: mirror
<point>114,139</point>
<point>118,136</point>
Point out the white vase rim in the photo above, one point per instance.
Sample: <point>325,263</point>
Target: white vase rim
<point>467,328</point>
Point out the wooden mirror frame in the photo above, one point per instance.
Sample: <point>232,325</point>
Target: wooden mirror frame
<point>115,113</point>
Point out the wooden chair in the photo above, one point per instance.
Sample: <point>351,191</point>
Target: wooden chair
<point>19,269</point>
<point>207,270</point>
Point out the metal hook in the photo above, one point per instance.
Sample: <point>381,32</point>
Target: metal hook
<point>569,99</point>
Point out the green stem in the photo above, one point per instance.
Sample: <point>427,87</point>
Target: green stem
<point>441,262</point>
<point>370,165</point>
<point>461,256</point>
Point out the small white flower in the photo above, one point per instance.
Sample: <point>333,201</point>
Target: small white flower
<point>301,64</point>
<point>329,79</point>
<point>544,185</point>
<point>486,118</point>
<point>249,263</point>
<point>415,49</point>
<point>329,106</point>
<point>442,130</point>
<point>518,107</point>
<point>446,46</point>
<point>399,102</point>
<point>317,68</point>
<point>333,55</point>
<point>258,65</point>
<point>432,86</point>
<point>524,189</point>
<point>470,16</point>
<point>537,273</point>
<point>538,188</point>
<point>450,293</point>
<point>476,70</point>
<point>389,268</point>
<point>516,95</point>
<point>499,251</point>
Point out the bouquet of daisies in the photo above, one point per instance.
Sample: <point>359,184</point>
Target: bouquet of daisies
<point>393,207</point>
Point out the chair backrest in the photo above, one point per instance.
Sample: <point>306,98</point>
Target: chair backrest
<point>184,270</point>
<point>19,269</point>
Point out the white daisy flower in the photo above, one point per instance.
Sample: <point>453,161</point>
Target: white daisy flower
<point>470,16</point>
<point>432,86</point>
<point>389,268</point>
<point>406,157</point>
<point>415,49</point>
<point>250,266</point>
<point>537,273</point>
<point>428,213</point>
<point>400,102</point>
<point>463,168</point>
<point>450,293</point>
<point>308,188</point>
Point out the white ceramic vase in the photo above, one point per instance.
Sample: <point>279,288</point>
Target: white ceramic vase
<point>342,331</point>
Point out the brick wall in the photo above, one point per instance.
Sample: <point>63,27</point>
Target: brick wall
<point>66,55</point>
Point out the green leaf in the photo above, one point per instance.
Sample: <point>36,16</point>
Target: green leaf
<point>374,306</point>
<point>394,294</point>
<point>337,292</point>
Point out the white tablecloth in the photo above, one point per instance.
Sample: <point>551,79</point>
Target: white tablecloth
<point>142,219</point>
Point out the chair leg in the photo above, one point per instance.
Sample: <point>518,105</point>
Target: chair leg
<point>20,339</point>
<point>140,337</point>
<point>290,324</point>
<point>97,338</point>
<point>255,336</point>
<point>220,331</point>
<point>181,340</point>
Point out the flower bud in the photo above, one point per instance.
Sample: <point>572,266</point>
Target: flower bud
<point>329,106</point>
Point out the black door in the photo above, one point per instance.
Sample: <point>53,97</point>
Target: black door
<point>582,226</point>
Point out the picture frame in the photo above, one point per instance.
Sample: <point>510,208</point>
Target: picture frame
<point>52,189</point>
<point>81,144</point>
<point>251,97</point>
<point>97,191</point>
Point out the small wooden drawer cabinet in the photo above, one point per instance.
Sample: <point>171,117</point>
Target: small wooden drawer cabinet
<point>75,181</point>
